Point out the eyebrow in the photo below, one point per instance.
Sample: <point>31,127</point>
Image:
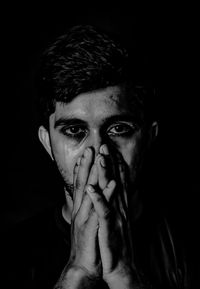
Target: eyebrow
<point>67,121</point>
<point>120,117</point>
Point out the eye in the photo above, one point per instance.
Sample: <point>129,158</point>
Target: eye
<point>121,129</point>
<point>74,131</point>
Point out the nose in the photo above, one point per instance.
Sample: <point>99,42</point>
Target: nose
<point>95,141</point>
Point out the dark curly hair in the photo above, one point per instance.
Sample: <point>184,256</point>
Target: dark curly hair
<point>82,60</point>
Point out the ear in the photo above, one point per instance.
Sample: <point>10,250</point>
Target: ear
<point>44,137</point>
<point>153,132</point>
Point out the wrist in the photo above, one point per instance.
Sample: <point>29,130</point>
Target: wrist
<point>75,278</point>
<point>122,278</point>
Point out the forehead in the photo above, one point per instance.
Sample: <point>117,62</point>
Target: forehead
<point>96,104</point>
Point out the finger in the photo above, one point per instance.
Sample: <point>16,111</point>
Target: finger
<point>110,162</point>
<point>93,177</point>
<point>108,192</point>
<point>81,178</point>
<point>101,201</point>
<point>122,176</point>
<point>84,167</point>
<point>118,168</point>
<point>104,150</point>
<point>102,171</point>
<point>120,163</point>
<point>75,173</point>
<point>100,204</point>
<point>85,208</point>
<point>105,166</point>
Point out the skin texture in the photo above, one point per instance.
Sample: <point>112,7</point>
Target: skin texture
<point>97,145</point>
<point>93,108</point>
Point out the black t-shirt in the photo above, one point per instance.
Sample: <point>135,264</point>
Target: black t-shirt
<point>36,251</point>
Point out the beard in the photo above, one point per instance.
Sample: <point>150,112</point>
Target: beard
<point>67,183</point>
<point>69,188</point>
<point>130,172</point>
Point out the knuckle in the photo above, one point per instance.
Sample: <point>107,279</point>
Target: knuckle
<point>82,162</point>
<point>78,184</point>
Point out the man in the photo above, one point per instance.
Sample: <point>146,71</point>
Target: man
<point>97,124</point>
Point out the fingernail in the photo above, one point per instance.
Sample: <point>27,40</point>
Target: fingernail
<point>103,162</point>
<point>104,149</point>
<point>90,189</point>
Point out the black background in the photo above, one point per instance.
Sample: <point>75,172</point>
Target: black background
<point>167,36</point>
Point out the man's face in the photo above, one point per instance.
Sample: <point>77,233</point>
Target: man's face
<point>90,120</point>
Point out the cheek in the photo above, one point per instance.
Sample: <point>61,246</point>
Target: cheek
<point>65,155</point>
<point>129,152</point>
<point>132,158</point>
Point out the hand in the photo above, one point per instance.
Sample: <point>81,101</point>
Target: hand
<point>110,203</point>
<point>84,266</point>
<point>84,226</point>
